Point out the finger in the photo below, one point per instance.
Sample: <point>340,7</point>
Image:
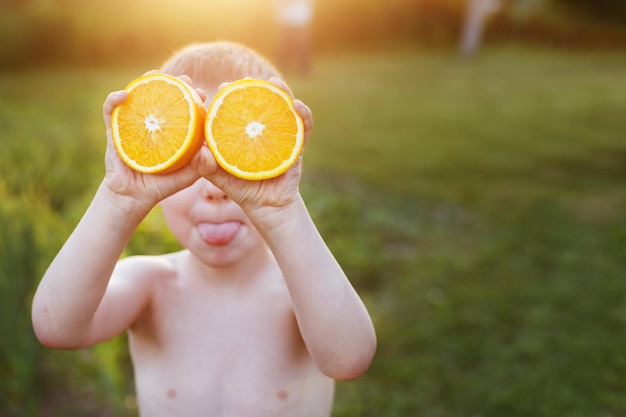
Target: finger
<point>153,71</point>
<point>307,116</point>
<point>204,162</point>
<point>184,176</point>
<point>113,100</point>
<point>185,78</point>
<point>208,168</point>
<point>201,93</point>
<point>281,84</point>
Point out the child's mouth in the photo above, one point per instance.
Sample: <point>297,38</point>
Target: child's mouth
<point>218,234</point>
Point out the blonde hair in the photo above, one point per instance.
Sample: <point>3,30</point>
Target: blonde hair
<point>214,63</point>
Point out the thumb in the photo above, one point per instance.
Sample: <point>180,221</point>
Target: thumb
<point>204,162</point>
<point>113,100</point>
<point>208,168</point>
<point>196,168</point>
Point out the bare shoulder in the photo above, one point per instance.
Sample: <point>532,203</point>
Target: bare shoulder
<point>136,279</point>
<point>146,269</point>
<point>151,263</point>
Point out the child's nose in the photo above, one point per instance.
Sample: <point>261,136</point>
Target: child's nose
<point>212,193</point>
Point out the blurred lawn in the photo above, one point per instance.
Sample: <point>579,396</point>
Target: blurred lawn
<point>478,206</point>
<point>484,208</point>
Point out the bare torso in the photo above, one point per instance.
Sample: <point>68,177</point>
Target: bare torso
<point>217,349</point>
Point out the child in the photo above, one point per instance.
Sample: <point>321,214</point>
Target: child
<point>253,318</point>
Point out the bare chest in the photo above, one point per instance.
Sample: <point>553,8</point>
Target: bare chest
<point>215,328</point>
<point>225,352</point>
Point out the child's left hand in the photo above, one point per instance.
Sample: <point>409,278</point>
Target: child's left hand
<point>255,196</point>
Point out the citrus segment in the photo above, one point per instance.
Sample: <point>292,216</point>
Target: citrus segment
<point>253,129</point>
<point>158,128</point>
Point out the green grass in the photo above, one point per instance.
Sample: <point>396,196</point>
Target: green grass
<point>479,207</point>
<point>450,128</point>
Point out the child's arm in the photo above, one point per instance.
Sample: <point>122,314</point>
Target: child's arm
<point>74,305</point>
<point>72,289</point>
<point>332,319</point>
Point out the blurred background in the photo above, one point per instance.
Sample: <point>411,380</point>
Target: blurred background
<point>112,32</point>
<point>467,168</point>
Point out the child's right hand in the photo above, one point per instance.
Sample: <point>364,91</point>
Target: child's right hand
<point>144,189</point>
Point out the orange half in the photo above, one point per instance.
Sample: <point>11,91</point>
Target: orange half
<point>158,128</point>
<point>253,129</point>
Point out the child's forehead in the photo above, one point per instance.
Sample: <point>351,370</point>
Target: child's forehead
<point>209,65</point>
<point>211,81</point>
<point>211,77</point>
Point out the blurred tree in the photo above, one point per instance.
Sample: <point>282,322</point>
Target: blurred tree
<point>437,22</point>
<point>12,4</point>
<point>606,10</point>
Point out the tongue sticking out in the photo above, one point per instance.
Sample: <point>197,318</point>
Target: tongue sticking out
<point>218,234</point>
